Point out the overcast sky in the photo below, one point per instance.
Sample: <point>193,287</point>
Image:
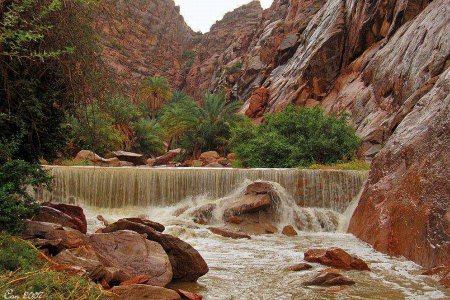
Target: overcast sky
<point>201,14</point>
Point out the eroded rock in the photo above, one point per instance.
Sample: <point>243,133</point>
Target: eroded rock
<point>337,258</point>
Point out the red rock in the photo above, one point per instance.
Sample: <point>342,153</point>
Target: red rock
<point>214,165</point>
<point>247,204</point>
<point>229,234</point>
<point>300,267</point>
<point>87,155</point>
<point>134,158</point>
<point>76,212</point>
<point>52,215</point>
<point>223,161</point>
<point>289,231</point>
<point>186,263</point>
<point>234,220</point>
<point>135,255</point>
<point>141,291</point>
<point>336,258</point>
<point>270,229</point>
<point>166,158</point>
<point>231,156</point>
<point>142,279</point>
<point>441,274</point>
<point>203,214</point>
<point>157,226</point>
<point>329,279</point>
<point>188,295</point>
<point>209,157</point>
<point>258,102</point>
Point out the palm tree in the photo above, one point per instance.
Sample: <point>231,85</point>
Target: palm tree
<point>154,91</point>
<point>201,127</point>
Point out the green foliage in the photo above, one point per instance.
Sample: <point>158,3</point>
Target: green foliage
<point>297,137</point>
<point>22,271</point>
<point>17,254</point>
<point>197,128</point>
<point>189,58</point>
<point>154,92</point>
<point>149,137</point>
<point>357,165</point>
<point>92,128</point>
<point>16,178</point>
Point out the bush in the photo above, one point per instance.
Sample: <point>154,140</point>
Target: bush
<point>16,178</point>
<point>297,137</point>
<point>149,137</point>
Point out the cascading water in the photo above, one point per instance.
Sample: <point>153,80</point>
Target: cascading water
<point>152,187</point>
<point>315,201</point>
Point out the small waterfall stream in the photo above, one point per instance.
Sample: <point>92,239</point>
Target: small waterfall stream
<point>161,187</point>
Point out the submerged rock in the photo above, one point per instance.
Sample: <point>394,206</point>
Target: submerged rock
<point>300,267</point>
<point>188,295</point>
<point>329,278</point>
<point>337,258</point>
<point>289,231</point>
<point>228,233</point>
<point>140,291</point>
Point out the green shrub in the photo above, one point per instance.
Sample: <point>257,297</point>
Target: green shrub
<point>296,137</point>
<point>16,178</point>
<point>17,254</point>
<point>149,137</point>
<point>357,165</point>
<point>235,68</point>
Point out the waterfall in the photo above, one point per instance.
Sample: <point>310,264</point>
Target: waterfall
<point>161,187</point>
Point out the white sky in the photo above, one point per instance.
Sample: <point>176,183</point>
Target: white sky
<point>200,15</point>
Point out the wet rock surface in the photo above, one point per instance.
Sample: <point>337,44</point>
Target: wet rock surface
<point>336,258</point>
<point>329,278</point>
<point>140,291</point>
<point>228,233</point>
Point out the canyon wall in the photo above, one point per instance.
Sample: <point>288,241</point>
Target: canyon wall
<point>383,62</point>
<point>143,38</point>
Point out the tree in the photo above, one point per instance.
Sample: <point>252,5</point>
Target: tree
<point>296,137</point>
<point>197,128</point>
<point>154,92</point>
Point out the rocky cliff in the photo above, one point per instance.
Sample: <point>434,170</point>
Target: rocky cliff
<point>384,62</point>
<point>143,38</point>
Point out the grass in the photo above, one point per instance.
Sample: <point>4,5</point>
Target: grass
<point>357,165</point>
<point>24,273</point>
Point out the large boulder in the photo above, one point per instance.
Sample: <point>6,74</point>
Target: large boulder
<point>87,155</point>
<point>52,215</point>
<point>157,226</point>
<point>209,157</point>
<point>53,237</point>
<point>141,292</point>
<point>164,159</point>
<point>76,212</point>
<point>247,204</point>
<point>187,264</point>
<point>337,258</point>
<point>134,158</point>
<point>135,255</point>
<point>258,102</point>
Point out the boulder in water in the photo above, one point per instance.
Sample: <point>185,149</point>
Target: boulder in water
<point>203,214</point>
<point>289,231</point>
<point>74,211</point>
<point>187,264</point>
<point>228,233</point>
<point>247,204</point>
<point>141,291</point>
<point>337,258</point>
<point>440,274</point>
<point>300,267</point>
<point>329,278</point>
<point>135,255</point>
<point>157,226</point>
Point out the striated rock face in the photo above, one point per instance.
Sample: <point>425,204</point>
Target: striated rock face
<point>405,207</point>
<point>142,38</point>
<point>218,59</point>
